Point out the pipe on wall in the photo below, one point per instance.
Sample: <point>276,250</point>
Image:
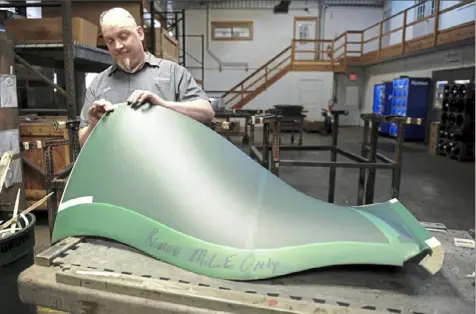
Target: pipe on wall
<point>207,40</point>
<point>220,63</point>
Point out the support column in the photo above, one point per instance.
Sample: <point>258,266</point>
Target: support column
<point>9,127</point>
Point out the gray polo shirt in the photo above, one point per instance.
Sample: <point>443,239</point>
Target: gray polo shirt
<point>165,78</point>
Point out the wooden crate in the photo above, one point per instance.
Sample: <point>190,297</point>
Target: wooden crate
<point>50,30</point>
<point>41,130</point>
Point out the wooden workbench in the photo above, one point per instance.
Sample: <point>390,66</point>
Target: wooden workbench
<point>90,275</point>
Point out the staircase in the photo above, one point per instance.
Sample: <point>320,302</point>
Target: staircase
<point>290,59</point>
<point>258,81</point>
<point>349,48</point>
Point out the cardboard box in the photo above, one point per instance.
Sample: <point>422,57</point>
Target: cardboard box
<point>91,11</point>
<point>432,148</point>
<point>434,129</point>
<point>50,30</point>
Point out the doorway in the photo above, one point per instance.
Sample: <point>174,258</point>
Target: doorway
<point>305,35</point>
<point>310,96</point>
<point>350,102</point>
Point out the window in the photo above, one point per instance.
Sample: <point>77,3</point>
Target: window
<point>303,31</point>
<point>386,25</point>
<point>233,30</point>
<point>432,7</point>
<point>421,10</point>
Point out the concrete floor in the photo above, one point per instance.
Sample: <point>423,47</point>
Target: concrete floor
<point>433,188</point>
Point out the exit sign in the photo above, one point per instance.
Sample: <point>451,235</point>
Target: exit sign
<point>352,77</point>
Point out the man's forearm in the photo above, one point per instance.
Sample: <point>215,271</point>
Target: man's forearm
<point>84,134</point>
<point>199,109</point>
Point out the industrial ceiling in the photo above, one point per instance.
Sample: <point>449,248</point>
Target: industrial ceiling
<point>262,4</point>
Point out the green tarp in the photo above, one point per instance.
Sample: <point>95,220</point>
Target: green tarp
<point>171,187</point>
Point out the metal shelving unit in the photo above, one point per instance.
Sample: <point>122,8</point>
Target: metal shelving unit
<point>175,22</point>
<point>68,56</point>
<point>86,58</point>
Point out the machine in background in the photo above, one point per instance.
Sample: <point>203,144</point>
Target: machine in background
<point>410,98</point>
<point>383,103</point>
<point>456,135</point>
<point>292,119</point>
<point>327,128</point>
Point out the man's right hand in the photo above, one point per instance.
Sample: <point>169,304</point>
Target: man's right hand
<point>97,110</point>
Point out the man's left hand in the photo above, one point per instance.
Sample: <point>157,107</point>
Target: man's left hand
<point>140,97</point>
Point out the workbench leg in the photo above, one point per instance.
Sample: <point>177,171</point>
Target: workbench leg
<point>246,137</point>
<point>49,163</point>
<point>332,169</point>
<point>275,148</point>
<point>265,147</point>
<point>251,141</point>
<point>301,129</point>
<point>370,188</point>
<point>397,170</point>
<point>363,171</point>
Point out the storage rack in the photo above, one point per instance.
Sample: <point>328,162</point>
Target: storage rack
<point>456,136</point>
<point>68,55</point>
<point>175,21</point>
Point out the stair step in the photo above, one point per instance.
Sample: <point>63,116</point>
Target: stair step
<point>318,65</point>
<point>311,63</point>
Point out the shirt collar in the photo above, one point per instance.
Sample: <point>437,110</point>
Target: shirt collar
<point>151,60</point>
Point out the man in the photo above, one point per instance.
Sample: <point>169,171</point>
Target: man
<point>138,77</point>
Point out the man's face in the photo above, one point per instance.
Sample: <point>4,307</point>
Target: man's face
<point>124,44</point>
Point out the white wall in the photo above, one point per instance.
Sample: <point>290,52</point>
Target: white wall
<point>461,15</point>
<point>290,90</point>
<point>337,20</point>
<point>393,23</point>
<point>272,33</point>
<point>446,20</point>
<point>419,66</point>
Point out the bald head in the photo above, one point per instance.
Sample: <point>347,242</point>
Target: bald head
<point>123,38</point>
<point>117,17</point>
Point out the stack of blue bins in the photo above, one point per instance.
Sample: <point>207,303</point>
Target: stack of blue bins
<point>382,103</point>
<point>410,98</point>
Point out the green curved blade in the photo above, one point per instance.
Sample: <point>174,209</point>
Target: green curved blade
<point>171,187</point>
